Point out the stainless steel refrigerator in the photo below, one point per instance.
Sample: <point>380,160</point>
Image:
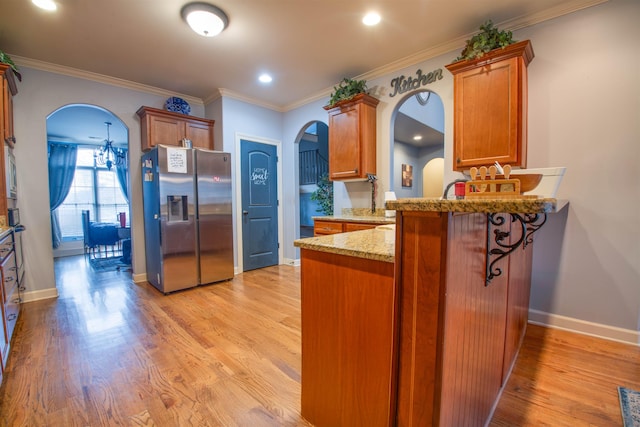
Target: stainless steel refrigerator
<point>187,217</point>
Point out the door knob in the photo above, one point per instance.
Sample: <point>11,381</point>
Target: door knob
<point>245,212</point>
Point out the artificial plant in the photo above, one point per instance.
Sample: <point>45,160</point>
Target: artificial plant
<point>347,89</point>
<point>324,195</point>
<point>488,39</point>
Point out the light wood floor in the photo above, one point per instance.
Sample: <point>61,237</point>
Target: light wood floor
<point>111,352</point>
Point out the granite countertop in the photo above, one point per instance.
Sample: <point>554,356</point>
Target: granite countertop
<point>375,244</point>
<point>379,243</point>
<point>374,219</point>
<point>514,205</point>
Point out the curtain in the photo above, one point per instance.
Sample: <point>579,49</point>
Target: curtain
<point>62,168</point>
<point>121,173</point>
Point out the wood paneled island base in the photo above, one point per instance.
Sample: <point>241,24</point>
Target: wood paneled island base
<point>347,336</point>
<point>430,339</point>
<point>458,335</point>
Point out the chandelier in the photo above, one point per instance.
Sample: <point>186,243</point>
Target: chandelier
<point>108,155</point>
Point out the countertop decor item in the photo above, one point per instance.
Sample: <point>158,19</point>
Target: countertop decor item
<point>488,39</point>
<point>177,105</point>
<point>347,89</point>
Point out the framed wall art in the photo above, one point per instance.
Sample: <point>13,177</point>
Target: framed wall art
<point>407,175</point>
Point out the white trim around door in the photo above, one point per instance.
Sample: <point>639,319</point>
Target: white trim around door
<point>238,186</point>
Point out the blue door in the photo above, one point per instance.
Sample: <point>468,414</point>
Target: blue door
<point>259,204</point>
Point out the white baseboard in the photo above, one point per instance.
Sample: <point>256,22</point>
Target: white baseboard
<point>292,262</point>
<point>612,333</point>
<point>139,278</point>
<point>31,296</point>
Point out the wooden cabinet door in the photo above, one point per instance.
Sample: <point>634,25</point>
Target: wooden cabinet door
<point>344,145</point>
<point>352,138</point>
<point>169,128</point>
<point>356,226</point>
<point>7,113</point>
<point>165,131</point>
<point>321,228</point>
<point>348,327</point>
<point>490,108</point>
<point>200,134</point>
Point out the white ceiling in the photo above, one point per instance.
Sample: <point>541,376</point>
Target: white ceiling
<point>308,46</point>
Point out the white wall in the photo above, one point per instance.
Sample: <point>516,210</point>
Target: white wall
<point>408,155</point>
<point>39,94</point>
<point>234,117</point>
<point>584,114</point>
<point>293,123</point>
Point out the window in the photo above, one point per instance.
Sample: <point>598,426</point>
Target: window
<point>94,188</point>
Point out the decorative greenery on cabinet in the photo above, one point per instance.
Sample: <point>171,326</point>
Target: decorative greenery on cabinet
<point>488,39</point>
<point>347,89</point>
<point>6,59</point>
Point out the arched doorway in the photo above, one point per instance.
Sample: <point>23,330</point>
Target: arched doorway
<point>418,137</point>
<point>314,187</point>
<point>81,180</point>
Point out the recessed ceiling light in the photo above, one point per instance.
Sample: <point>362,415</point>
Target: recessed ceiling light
<point>45,4</point>
<point>265,78</point>
<point>205,19</point>
<point>417,137</point>
<point>371,18</point>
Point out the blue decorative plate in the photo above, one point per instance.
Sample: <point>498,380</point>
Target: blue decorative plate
<point>177,105</point>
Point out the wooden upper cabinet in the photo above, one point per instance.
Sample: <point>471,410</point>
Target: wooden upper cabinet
<point>352,138</point>
<point>169,128</point>
<point>9,90</point>
<point>490,108</point>
<point>200,134</point>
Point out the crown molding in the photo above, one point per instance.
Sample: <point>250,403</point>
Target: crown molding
<point>100,78</point>
<point>514,24</point>
<point>566,7</point>
<point>222,92</point>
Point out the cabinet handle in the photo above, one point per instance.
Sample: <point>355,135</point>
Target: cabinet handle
<point>17,301</point>
<point>458,160</point>
<point>12,317</point>
<point>9,279</point>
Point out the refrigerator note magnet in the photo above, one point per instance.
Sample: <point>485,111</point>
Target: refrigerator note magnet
<point>176,160</point>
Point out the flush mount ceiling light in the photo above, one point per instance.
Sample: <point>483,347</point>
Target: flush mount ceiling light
<point>371,18</point>
<point>204,18</point>
<point>265,78</point>
<point>45,4</point>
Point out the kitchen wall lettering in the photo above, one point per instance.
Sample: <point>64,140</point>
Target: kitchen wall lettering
<point>402,84</point>
<point>259,176</point>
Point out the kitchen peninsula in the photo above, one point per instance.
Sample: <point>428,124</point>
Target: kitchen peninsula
<point>419,325</point>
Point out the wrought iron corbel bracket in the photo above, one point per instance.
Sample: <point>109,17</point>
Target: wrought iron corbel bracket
<point>529,224</point>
